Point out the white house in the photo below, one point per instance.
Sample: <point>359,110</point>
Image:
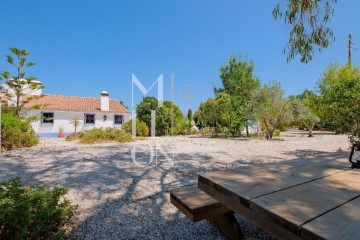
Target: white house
<point>56,111</point>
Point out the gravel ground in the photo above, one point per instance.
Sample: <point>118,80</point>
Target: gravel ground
<point>123,198</point>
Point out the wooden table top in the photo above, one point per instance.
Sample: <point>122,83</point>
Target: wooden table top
<point>312,198</point>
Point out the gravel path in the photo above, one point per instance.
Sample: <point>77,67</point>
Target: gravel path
<point>123,198</point>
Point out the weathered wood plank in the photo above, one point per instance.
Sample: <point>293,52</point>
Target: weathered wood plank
<point>259,220</point>
<point>196,205</point>
<point>238,188</point>
<point>295,206</point>
<point>187,192</point>
<point>341,223</point>
<point>335,159</point>
<point>246,185</point>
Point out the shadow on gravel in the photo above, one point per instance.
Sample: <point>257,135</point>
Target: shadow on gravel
<point>132,200</point>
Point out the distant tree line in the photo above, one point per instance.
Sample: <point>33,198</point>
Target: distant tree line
<point>242,99</point>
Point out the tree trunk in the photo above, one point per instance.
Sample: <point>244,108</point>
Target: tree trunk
<point>310,132</point>
<point>247,130</point>
<point>17,110</point>
<point>270,134</point>
<point>311,127</point>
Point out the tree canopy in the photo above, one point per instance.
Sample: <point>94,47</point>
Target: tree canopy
<point>163,116</point>
<point>18,82</point>
<point>340,98</point>
<point>238,83</point>
<point>270,108</point>
<point>308,20</point>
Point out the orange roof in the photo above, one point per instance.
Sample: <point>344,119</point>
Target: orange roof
<point>75,104</point>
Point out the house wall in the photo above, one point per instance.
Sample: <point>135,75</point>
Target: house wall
<point>63,118</point>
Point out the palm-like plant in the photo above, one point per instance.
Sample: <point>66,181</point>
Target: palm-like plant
<point>18,81</point>
<point>76,122</point>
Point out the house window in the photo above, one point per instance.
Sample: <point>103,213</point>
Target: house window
<point>119,119</point>
<point>47,117</point>
<point>89,118</point>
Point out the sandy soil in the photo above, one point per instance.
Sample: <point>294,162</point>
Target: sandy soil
<point>119,197</point>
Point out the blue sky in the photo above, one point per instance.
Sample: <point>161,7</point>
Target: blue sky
<point>83,47</point>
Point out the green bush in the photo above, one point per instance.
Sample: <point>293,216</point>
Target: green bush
<point>75,136</point>
<point>98,135</point>
<point>182,127</point>
<point>16,133</point>
<point>207,131</point>
<point>32,212</point>
<point>142,129</point>
<point>277,133</point>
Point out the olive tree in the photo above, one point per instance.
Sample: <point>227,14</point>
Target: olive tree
<point>270,108</point>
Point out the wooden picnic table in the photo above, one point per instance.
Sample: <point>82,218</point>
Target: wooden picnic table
<point>309,198</point>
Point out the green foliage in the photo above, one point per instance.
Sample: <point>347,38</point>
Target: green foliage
<point>340,98</point>
<point>182,127</point>
<point>207,131</point>
<point>305,109</point>
<point>309,30</point>
<point>227,112</point>
<point>98,135</point>
<point>75,136</point>
<point>270,108</point>
<point>237,78</point>
<point>238,81</point>
<point>190,116</point>
<point>16,83</point>
<point>76,123</point>
<point>141,129</point>
<point>309,119</point>
<point>277,133</point>
<point>207,114</point>
<point>16,133</point>
<point>32,212</point>
<point>164,115</point>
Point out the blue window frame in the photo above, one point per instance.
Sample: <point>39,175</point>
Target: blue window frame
<point>118,119</point>
<point>47,117</point>
<point>89,118</point>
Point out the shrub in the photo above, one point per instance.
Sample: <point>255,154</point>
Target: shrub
<point>32,212</point>
<point>277,133</point>
<point>97,135</point>
<point>142,130</point>
<point>16,133</point>
<point>75,136</point>
<point>207,131</point>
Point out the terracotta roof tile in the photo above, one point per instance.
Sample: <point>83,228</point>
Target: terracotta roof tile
<point>76,104</point>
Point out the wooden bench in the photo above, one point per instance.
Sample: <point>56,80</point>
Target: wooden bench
<point>197,205</point>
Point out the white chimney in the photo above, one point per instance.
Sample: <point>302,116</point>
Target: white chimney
<point>104,101</point>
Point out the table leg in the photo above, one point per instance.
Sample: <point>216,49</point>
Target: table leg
<point>228,224</point>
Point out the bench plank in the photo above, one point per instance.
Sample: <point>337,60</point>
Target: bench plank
<point>196,204</point>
